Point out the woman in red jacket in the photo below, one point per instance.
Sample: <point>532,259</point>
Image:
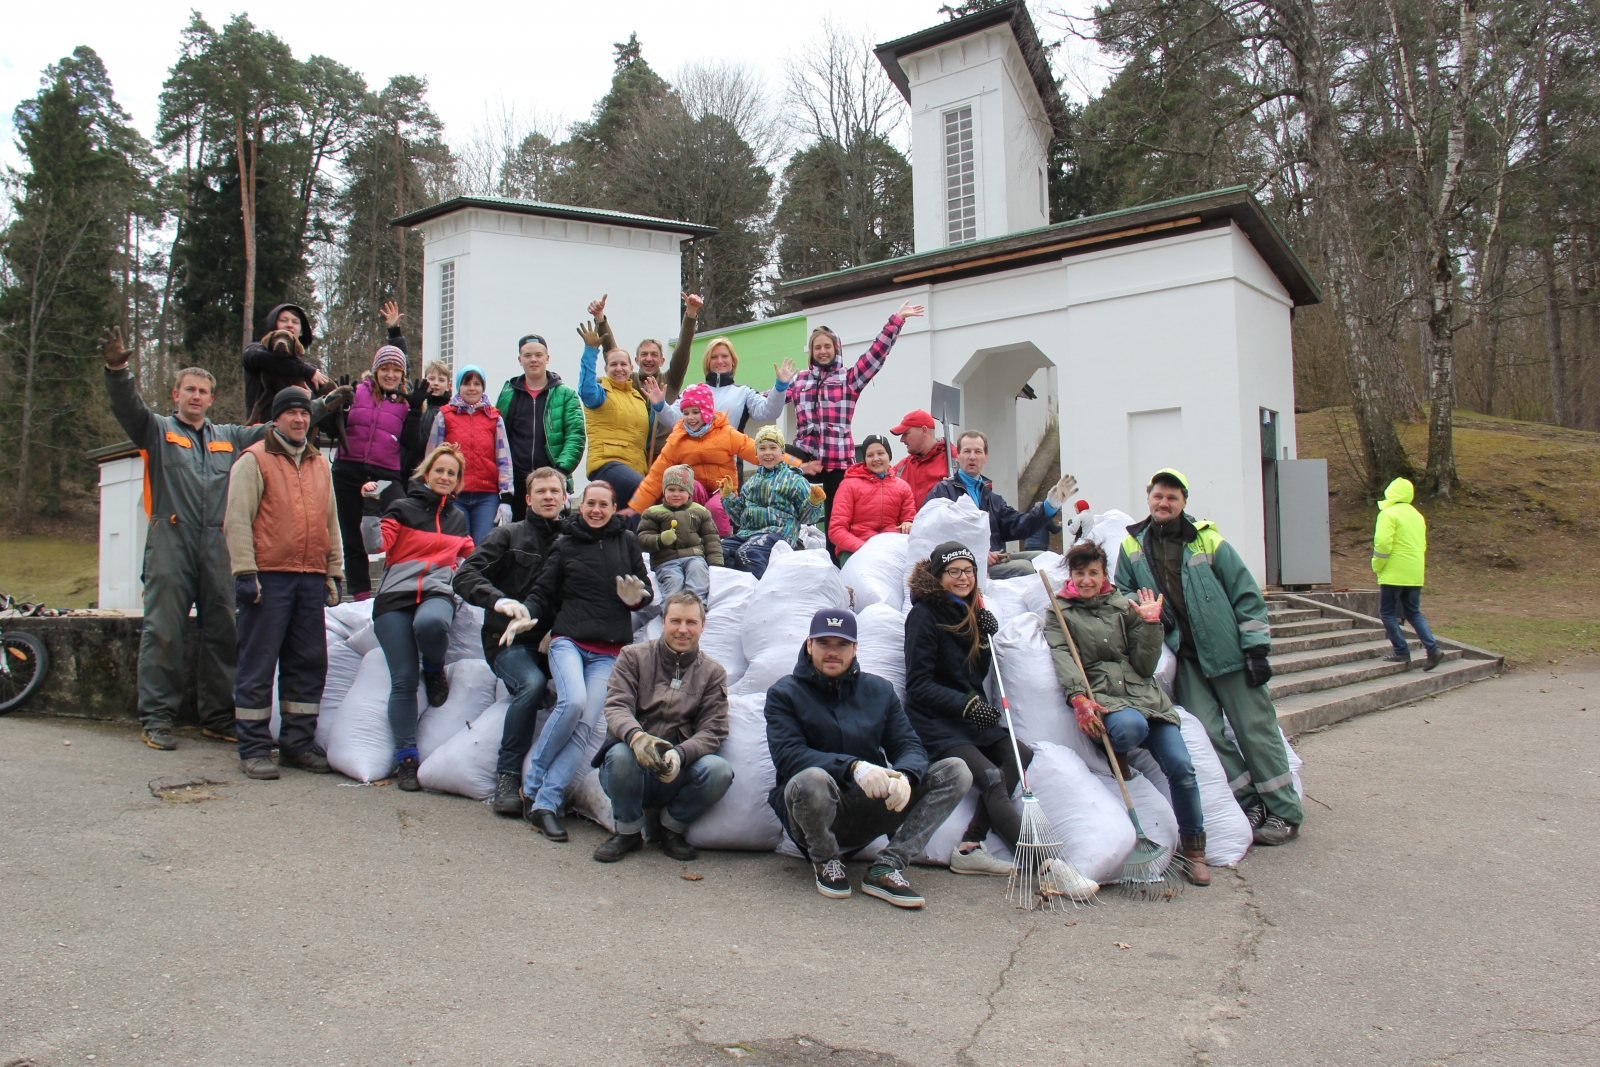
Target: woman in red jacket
<point>871,501</point>
<point>424,541</point>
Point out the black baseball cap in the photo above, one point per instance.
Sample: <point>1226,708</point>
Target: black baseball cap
<point>834,622</point>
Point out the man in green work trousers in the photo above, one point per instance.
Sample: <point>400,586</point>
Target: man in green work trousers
<point>1216,622</point>
<point>187,460</point>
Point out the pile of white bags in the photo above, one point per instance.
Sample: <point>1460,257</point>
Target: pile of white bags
<point>743,818</point>
<point>876,573</point>
<point>360,744</point>
<point>1108,531</point>
<point>723,639</point>
<point>1228,834</point>
<point>472,690</point>
<point>795,587</point>
<point>944,520</point>
<point>881,645</point>
<point>1038,710</point>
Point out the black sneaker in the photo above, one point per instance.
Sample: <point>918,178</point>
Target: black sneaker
<point>617,846</point>
<point>831,880</point>
<point>1257,814</point>
<point>160,737</point>
<point>438,687</point>
<point>1398,657</point>
<point>406,776</point>
<point>1435,657</point>
<point>507,795</point>
<point>220,733</point>
<point>1276,831</point>
<point>676,847</point>
<point>313,759</point>
<point>886,883</point>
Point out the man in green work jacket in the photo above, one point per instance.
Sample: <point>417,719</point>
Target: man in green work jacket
<point>187,460</point>
<point>1216,621</point>
<point>1400,560</point>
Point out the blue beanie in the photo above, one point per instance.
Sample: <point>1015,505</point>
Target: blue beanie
<point>471,368</point>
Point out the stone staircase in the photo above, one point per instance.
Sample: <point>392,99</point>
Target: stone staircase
<point>1327,665</point>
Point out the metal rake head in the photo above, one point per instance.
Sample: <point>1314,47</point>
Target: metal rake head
<point>1151,872</point>
<point>1041,875</point>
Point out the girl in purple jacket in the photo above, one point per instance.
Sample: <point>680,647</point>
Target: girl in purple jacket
<point>372,429</point>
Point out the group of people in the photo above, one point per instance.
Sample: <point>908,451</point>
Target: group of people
<point>253,528</point>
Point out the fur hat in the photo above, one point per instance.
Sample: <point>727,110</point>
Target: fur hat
<point>680,475</point>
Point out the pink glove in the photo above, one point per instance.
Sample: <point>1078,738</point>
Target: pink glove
<point>1088,713</point>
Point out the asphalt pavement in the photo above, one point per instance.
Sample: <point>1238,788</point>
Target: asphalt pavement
<point>1438,908</point>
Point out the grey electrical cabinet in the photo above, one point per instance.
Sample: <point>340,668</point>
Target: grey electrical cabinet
<point>1304,552</point>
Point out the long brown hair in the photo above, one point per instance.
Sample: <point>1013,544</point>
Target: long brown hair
<point>968,625</point>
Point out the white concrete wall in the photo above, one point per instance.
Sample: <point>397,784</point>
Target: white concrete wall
<point>1193,326</point>
<point>123,526</point>
<point>1011,134</point>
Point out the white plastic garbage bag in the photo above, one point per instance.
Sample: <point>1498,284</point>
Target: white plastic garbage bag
<point>1094,829</point>
<point>472,689</point>
<point>466,633</point>
<point>1108,531</point>
<point>464,764</point>
<point>1010,597</point>
<point>343,665</point>
<point>1228,833</point>
<point>1038,709</point>
<point>1166,670</point>
<point>723,640</point>
<point>876,574</point>
<point>944,520</point>
<point>363,639</point>
<point>763,672</point>
<point>1155,814</point>
<point>586,798</point>
<point>743,819</point>
<point>881,645</point>
<point>360,742</point>
<point>813,539</point>
<point>346,619</point>
<point>795,587</point>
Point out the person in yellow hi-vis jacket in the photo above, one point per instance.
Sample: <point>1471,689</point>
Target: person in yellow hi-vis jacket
<point>1399,559</point>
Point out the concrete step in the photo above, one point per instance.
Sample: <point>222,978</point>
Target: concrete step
<point>1310,626</point>
<point>1340,675</point>
<point>1311,710</point>
<point>1278,616</point>
<point>1332,639</point>
<point>1375,647</point>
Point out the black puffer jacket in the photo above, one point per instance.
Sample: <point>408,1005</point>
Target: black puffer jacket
<point>577,588</point>
<point>940,680</point>
<point>506,565</point>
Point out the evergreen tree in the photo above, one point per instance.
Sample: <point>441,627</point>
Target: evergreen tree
<point>843,206</point>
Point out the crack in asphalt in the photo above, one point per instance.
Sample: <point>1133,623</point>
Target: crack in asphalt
<point>963,1056</point>
<point>1479,1040</point>
<point>1232,990</point>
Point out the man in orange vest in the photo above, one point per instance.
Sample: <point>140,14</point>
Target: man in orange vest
<point>282,528</point>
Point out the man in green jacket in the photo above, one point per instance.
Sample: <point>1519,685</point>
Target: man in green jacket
<point>544,423</point>
<point>1216,622</point>
<point>1399,559</point>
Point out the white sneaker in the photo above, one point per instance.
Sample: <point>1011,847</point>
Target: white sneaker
<point>978,861</point>
<point>1061,879</point>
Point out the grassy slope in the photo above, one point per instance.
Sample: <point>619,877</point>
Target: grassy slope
<point>1514,560</point>
<point>57,572</point>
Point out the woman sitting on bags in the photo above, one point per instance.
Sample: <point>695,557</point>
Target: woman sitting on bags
<point>948,656</point>
<point>424,541</point>
<point>1120,643</point>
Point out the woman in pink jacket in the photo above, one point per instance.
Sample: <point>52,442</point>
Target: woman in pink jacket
<point>871,501</point>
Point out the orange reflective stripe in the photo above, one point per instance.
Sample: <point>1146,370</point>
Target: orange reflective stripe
<point>179,440</point>
<point>220,446</point>
<point>145,457</point>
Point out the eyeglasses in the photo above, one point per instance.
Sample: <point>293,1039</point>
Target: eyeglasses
<point>961,572</point>
<point>531,337</point>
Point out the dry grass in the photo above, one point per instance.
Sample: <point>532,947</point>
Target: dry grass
<point>1514,560</point>
<point>54,571</point>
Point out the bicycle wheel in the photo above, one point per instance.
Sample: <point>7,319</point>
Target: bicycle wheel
<point>23,663</point>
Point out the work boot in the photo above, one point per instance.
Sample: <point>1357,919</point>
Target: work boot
<point>617,846</point>
<point>676,847</point>
<point>1435,657</point>
<point>1275,831</point>
<point>312,759</point>
<point>1192,847</point>
<point>406,776</point>
<point>545,822</point>
<point>831,879</point>
<point>159,737</point>
<point>1398,657</point>
<point>438,687</point>
<point>259,768</point>
<point>886,883</point>
<point>978,861</point>
<point>220,732</point>
<point>507,795</point>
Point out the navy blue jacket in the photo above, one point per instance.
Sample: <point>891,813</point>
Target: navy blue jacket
<point>1006,523</point>
<point>814,721</point>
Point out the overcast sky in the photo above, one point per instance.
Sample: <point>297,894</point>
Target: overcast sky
<point>546,58</point>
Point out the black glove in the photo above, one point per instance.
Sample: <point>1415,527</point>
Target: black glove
<point>246,589</point>
<point>981,713</point>
<point>1257,671</point>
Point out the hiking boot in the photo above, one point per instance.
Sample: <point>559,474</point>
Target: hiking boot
<point>1435,657</point>
<point>617,846</point>
<point>406,776</point>
<point>259,768</point>
<point>507,795</point>
<point>1398,657</point>
<point>978,861</point>
<point>220,733</point>
<point>438,687</point>
<point>159,737</point>
<point>886,883</point>
<point>676,847</point>
<point>312,759</point>
<point>545,822</point>
<point>1274,831</point>
<point>831,879</point>
<point>1060,878</point>
<point>1192,847</point>
<point>1256,812</point>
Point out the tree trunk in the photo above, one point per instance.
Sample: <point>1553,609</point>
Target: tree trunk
<point>247,209</point>
<point>1559,411</point>
<point>1578,350</point>
<point>400,209</point>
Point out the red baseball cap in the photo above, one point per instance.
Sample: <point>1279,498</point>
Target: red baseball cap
<point>915,418</point>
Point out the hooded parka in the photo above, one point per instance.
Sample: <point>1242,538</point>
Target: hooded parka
<point>1120,652</point>
<point>1400,540</point>
<point>941,679</point>
<point>577,588</point>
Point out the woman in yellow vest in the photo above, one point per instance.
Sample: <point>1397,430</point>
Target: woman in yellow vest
<point>616,416</point>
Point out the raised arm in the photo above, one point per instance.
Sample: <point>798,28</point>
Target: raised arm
<point>129,408</point>
<point>678,369</point>
<point>589,389</point>
<point>871,362</point>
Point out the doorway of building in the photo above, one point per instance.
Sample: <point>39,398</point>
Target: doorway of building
<point>1011,393</point>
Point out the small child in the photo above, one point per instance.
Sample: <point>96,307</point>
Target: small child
<point>771,506</point>
<point>681,537</point>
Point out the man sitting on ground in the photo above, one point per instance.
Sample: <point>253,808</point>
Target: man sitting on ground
<point>1006,523</point>
<point>667,715</point>
<point>850,766</point>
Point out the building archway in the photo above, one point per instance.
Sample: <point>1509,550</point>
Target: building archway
<point>992,384</point>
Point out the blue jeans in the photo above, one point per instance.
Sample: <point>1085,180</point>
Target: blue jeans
<point>750,553</point>
<point>1129,729</point>
<point>403,634</point>
<point>479,508</point>
<point>520,668</point>
<point>686,572</point>
<point>682,800</point>
<point>1404,601</point>
<point>580,679</point>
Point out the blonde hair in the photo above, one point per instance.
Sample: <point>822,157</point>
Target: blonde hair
<point>448,448</point>
<point>823,331</point>
<point>705,357</point>
<point>437,365</point>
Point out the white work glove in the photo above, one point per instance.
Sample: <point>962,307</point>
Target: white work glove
<point>1062,491</point>
<point>873,779</point>
<point>514,608</point>
<point>899,791</point>
<point>502,515</point>
<point>517,627</point>
<point>631,590</point>
<point>671,764</point>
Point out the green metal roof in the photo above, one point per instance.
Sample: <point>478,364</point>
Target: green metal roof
<point>553,211</point>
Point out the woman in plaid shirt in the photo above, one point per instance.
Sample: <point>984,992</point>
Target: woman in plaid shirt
<point>825,395</point>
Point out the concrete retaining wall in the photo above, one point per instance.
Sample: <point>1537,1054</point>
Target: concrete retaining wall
<point>94,667</point>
